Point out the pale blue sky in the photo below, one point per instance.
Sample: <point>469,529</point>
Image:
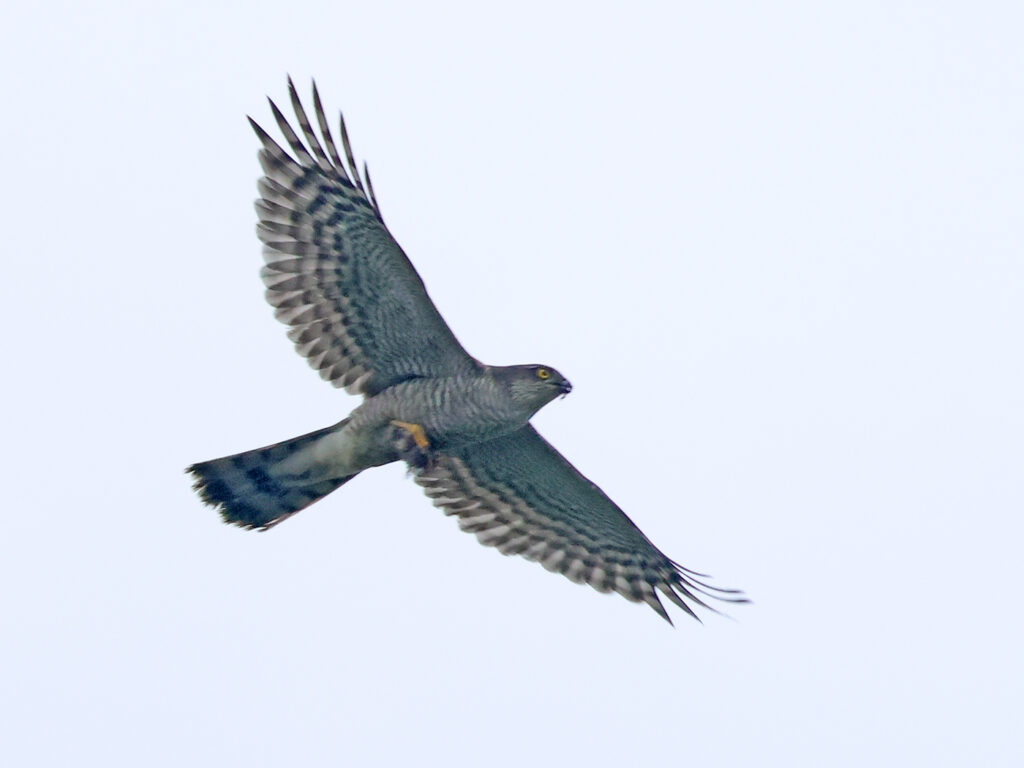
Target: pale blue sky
<point>778,249</point>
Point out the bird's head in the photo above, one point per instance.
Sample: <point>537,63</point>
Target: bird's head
<point>534,386</point>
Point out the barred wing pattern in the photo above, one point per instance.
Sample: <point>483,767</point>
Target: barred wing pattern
<point>357,309</point>
<point>517,493</point>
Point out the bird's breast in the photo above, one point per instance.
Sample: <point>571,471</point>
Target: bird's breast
<point>454,411</point>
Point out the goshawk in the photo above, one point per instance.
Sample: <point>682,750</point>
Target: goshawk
<point>359,313</point>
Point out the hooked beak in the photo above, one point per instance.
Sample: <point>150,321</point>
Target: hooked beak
<point>565,388</point>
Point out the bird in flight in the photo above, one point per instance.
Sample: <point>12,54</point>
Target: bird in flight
<point>359,313</point>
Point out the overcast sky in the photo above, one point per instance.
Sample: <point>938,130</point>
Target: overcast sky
<point>778,249</point>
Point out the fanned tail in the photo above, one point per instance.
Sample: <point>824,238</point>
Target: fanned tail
<point>262,487</point>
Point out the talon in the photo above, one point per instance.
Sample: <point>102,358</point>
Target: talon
<point>418,435</point>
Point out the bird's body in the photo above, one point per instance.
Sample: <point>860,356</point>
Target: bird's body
<point>359,313</point>
<point>452,412</point>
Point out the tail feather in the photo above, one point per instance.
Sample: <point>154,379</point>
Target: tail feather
<point>250,489</point>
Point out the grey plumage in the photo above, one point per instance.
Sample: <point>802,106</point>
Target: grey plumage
<point>258,489</point>
<point>359,313</point>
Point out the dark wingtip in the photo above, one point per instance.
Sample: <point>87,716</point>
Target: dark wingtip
<point>258,129</point>
<point>278,114</point>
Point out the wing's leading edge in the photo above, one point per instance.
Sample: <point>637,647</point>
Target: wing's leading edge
<point>520,495</point>
<point>357,309</point>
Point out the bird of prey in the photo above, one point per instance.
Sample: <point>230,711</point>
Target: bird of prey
<point>359,313</point>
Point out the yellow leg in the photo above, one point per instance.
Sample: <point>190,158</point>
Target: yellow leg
<point>418,435</point>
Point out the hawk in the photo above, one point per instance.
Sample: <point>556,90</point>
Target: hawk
<point>359,313</point>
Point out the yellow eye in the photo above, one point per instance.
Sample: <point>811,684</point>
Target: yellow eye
<point>543,373</point>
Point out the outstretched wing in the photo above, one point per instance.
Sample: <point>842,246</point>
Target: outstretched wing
<point>358,311</point>
<point>519,494</point>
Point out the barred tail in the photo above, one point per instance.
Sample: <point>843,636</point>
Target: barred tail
<point>262,487</point>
